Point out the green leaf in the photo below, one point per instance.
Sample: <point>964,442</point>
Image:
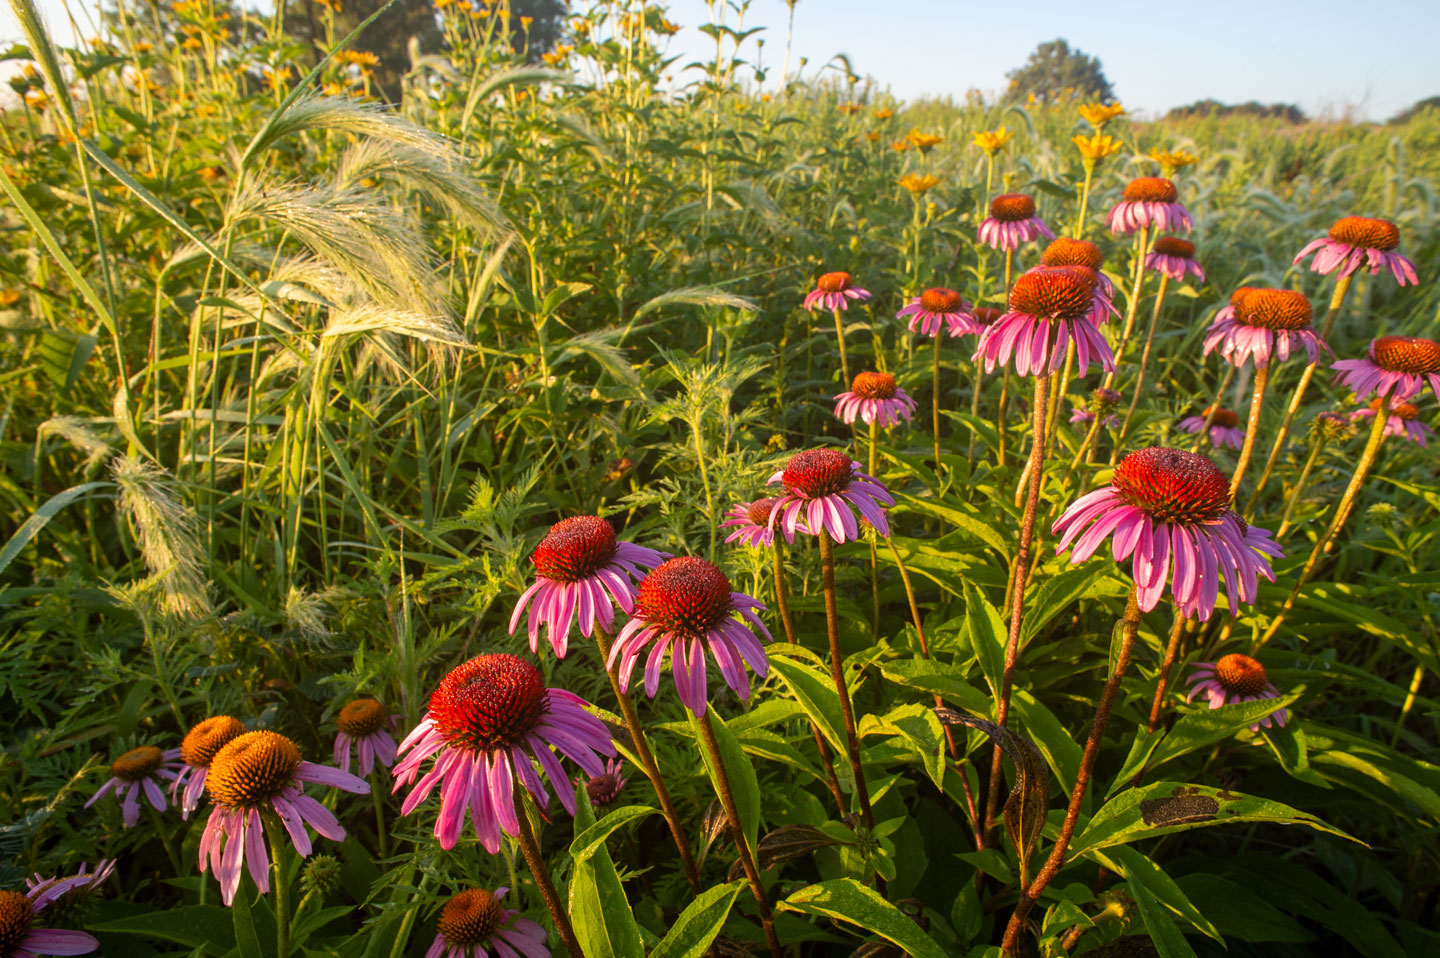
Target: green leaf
<point>740,772</point>
<point>816,695</point>
<point>1169,943</point>
<point>848,900</point>
<point>247,942</point>
<point>1165,807</point>
<point>918,726</point>
<point>32,526</point>
<point>586,843</point>
<point>937,678</point>
<point>1239,912</point>
<point>1138,869</point>
<point>980,528</point>
<point>1289,745</point>
<point>1197,729</point>
<point>987,636</point>
<point>690,935</point>
<point>1056,594</point>
<point>599,910</point>
<point>1045,732</point>
<point>206,927</point>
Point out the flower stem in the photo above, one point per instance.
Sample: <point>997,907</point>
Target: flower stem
<point>1310,460</point>
<point>782,598</point>
<point>1009,945</point>
<point>650,766</point>
<point>161,829</point>
<point>1203,436</point>
<point>1086,446</point>
<point>1079,231</point>
<point>376,794</point>
<point>1337,298</point>
<point>737,831</point>
<point>1144,358</point>
<point>1036,468</point>
<point>1172,651</point>
<point>282,889</point>
<point>934,406</point>
<point>531,850</point>
<point>837,675</point>
<point>1342,513</point>
<point>1000,417</point>
<point>1252,427</point>
<point>840,337</point>
<point>975,391</point>
<point>1057,396</point>
<point>1132,307</point>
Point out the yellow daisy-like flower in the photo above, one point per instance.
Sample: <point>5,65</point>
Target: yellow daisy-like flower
<point>900,145</point>
<point>872,137</point>
<point>37,100</point>
<point>883,114</point>
<point>850,109</point>
<point>667,27</point>
<point>993,141</point>
<point>442,4</point>
<point>9,297</point>
<point>1097,147</point>
<point>1098,114</point>
<point>557,56</point>
<point>525,22</point>
<point>918,183</point>
<point>192,43</point>
<point>924,142</point>
<point>1172,161</point>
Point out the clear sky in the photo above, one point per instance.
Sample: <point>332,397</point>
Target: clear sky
<point>1324,55</point>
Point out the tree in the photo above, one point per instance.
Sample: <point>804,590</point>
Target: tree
<point>1055,71</point>
<point>1420,106</point>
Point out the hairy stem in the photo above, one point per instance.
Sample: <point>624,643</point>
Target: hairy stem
<point>1252,427</point>
<point>837,675</point>
<point>1144,359</point>
<point>530,848</point>
<point>1172,651</point>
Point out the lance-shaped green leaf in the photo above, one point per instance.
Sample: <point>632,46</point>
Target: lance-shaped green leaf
<point>816,695</point>
<point>846,899</point>
<point>586,843</point>
<point>1138,869</point>
<point>691,934</point>
<point>918,726</point>
<point>599,910</point>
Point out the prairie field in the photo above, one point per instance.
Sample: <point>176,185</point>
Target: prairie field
<point>504,467</point>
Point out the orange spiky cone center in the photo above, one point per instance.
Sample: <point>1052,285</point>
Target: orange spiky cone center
<point>1241,675</point>
<point>1366,232</point>
<point>1173,485</point>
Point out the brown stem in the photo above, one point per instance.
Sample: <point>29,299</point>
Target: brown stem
<point>1017,596</point>
<point>1203,436</point>
<point>781,597</point>
<point>531,849</point>
<point>934,400</point>
<point>1057,396</point>
<point>1085,447</point>
<point>1144,359</point>
<point>650,767</point>
<point>840,335</point>
<point>1132,307</point>
<point>1252,427</point>
<point>1028,897</point>
<point>1172,650</point>
<point>1337,521</point>
<point>1305,470</point>
<point>737,831</point>
<point>837,675</point>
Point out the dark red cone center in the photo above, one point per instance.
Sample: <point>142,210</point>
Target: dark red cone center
<point>684,595</point>
<point>469,919</point>
<point>1407,354</point>
<point>873,385</point>
<point>833,282</point>
<point>574,548</point>
<point>940,300</point>
<point>491,702</point>
<point>1173,485</point>
<point>1055,292</point>
<point>1151,189</point>
<point>817,472</point>
<point>1366,232</point>
<point>1072,252</point>
<point>1012,207</point>
<point>1241,675</point>
<point>1175,246</point>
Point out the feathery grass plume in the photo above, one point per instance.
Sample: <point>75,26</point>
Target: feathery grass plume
<point>358,231</point>
<point>78,433</point>
<point>383,326</point>
<point>438,170</point>
<point>313,111</point>
<point>305,614</point>
<point>167,531</point>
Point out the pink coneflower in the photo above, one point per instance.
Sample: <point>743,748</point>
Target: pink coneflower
<point>1174,257</point>
<point>74,888</point>
<point>1235,678</point>
<point>1261,323</point>
<point>1012,221</point>
<point>1398,367</point>
<point>197,751</point>
<point>1077,252</point>
<point>263,771</point>
<point>1403,421</point>
<point>580,568</point>
<point>686,606</point>
<point>1050,306</point>
<point>1079,414</point>
<point>752,522</point>
<point>366,723</point>
<point>874,397</point>
<point>473,924</point>
<point>1149,201</point>
<point>1224,429</point>
<point>940,306</point>
<point>139,771</point>
<point>1357,241</point>
<point>20,938</point>
<point>487,723</point>
<point>1171,509</point>
<point>604,789</point>
<point>986,315</point>
<point>834,291</point>
<point>821,487</point>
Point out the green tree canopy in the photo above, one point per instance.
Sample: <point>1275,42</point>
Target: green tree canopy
<point>1055,71</point>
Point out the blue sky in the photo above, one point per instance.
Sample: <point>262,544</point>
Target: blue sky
<point>1324,55</point>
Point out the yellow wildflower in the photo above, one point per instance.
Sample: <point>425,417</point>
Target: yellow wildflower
<point>275,79</point>
<point>918,183</point>
<point>37,100</point>
<point>883,114</point>
<point>667,27</point>
<point>525,23</point>
<point>1097,147</point>
<point>211,174</point>
<point>850,109</point>
<point>993,141</point>
<point>9,297</point>
<point>1172,161</point>
<point>924,142</point>
<point>557,56</point>
<point>872,137</point>
<point>900,145</point>
<point>1098,114</point>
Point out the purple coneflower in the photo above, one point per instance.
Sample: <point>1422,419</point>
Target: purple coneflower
<point>939,307</point>
<point>1077,252</point>
<point>487,723</point>
<point>197,751</point>
<point>1398,367</point>
<point>686,606</point>
<point>136,772</point>
<point>1050,306</point>
<point>834,291</point>
<point>1357,241</point>
<point>252,773</point>
<point>1174,257</point>
<point>1403,421</point>
<point>580,568</point>
<point>1224,423</point>
<point>366,723</point>
<point>874,397</point>
<point>1012,221</point>
<point>604,789</point>
<point>1171,509</point>
<point>822,487</point>
<point>1261,323</point>
<point>20,938</point>
<point>752,522</point>
<point>1149,201</point>
<point>1235,678</point>
<point>473,924</point>
<point>1079,414</point>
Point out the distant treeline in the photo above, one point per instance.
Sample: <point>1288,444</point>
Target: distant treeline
<point>1287,112</point>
